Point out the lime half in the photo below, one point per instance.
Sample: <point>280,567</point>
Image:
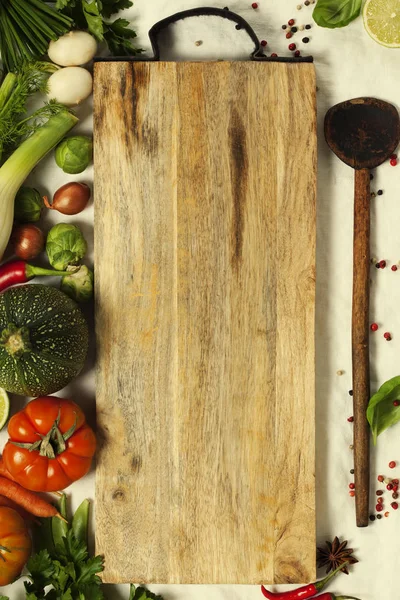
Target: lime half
<point>4,407</point>
<point>382,21</point>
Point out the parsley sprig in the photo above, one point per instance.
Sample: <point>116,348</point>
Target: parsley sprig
<point>95,15</point>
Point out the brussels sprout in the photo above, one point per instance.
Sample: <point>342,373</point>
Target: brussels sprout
<point>28,205</point>
<point>74,153</point>
<point>78,285</point>
<point>65,246</point>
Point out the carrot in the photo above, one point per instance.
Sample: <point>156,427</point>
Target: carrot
<point>27,499</point>
<point>21,511</point>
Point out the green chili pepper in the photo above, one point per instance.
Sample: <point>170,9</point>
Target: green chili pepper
<point>59,527</point>
<point>80,522</point>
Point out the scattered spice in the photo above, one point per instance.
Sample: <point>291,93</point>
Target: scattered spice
<point>392,464</point>
<point>389,487</point>
<point>264,43</point>
<point>387,514</point>
<point>340,372</point>
<point>395,488</point>
<point>291,22</point>
<point>395,495</point>
<point>299,7</point>
<point>305,40</point>
<point>374,326</point>
<point>350,419</point>
<point>393,162</point>
<point>379,516</point>
<point>395,481</point>
<point>254,5</point>
<point>394,505</point>
<point>379,192</point>
<point>378,507</point>
<point>380,500</point>
<point>309,27</point>
<point>379,492</point>
<point>350,392</point>
<point>373,194</point>
<point>292,47</point>
<point>294,30</point>
<point>284,26</point>
<point>351,447</point>
<point>387,336</point>
<point>199,43</point>
<point>301,27</point>
<point>289,35</point>
<point>387,480</point>
<point>307,3</point>
<point>334,554</point>
<point>371,176</point>
<point>380,478</point>
<point>394,268</point>
<point>351,471</point>
<point>382,264</point>
<point>297,53</point>
<point>352,493</point>
<point>352,486</point>
<point>372,517</point>
<point>274,55</point>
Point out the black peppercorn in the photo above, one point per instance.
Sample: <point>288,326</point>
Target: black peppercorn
<point>284,26</point>
<point>294,30</point>
<point>351,471</point>
<point>308,26</point>
<point>350,392</point>
<point>305,40</point>
<point>379,516</point>
<point>379,192</point>
<point>372,517</point>
<point>371,176</point>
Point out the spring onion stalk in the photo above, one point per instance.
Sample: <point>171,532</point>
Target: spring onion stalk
<point>17,168</point>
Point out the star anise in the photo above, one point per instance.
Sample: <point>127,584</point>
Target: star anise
<point>334,554</point>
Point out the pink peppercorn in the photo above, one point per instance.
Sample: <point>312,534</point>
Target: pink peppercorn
<point>382,264</point>
<point>374,326</point>
<point>379,492</point>
<point>380,500</point>
<point>292,47</point>
<point>350,419</point>
<point>254,5</point>
<point>395,481</point>
<point>297,53</point>
<point>274,55</point>
<point>291,22</point>
<point>380,478</point>
<point>393,156</point>
<point>352,493</point>
<point>264,43</point>
<point>393,162</point>
<point>379,507</point>
<point>394,267</point>
<point>394,505</point>
<point>389,486</point>
<point>289,35</point>
<point>392,464</point>
<point>387,336</point>
<point>352,486</point>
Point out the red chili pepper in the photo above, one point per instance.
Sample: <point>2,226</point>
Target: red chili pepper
<point>306,591</point>
<point>330,596</point>
<point>19,271</point>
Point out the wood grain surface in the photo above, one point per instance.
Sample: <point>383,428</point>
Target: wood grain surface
<point>205,183</point>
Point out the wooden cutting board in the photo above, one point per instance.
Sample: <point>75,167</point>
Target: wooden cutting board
<point>205,182</point>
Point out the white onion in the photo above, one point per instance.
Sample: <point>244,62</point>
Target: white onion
<point>70,85</point>
<point>73,49</point>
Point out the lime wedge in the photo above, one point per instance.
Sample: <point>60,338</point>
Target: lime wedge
<point>382,21</point>
<point>4,407</point>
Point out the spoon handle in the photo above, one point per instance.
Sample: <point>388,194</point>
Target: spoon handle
<point>360,342</point>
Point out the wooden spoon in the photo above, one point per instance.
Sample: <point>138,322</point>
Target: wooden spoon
<point>363,133</point>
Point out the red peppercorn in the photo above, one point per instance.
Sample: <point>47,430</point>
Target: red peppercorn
<point>378,507</point>
<point>379,492</point>
<point>350,419</point>
<point>274,55</point>
<point>389,487</point>
<point>254,5</point>
<point>264,43</point>
<point>292,47</point>
<point>382,264</point>
<point>386,513</point>
<point>291,22</point>
<point>394,268</point>
<point>380,500</point>
<point>393,156</point>
<point>392,464</point>
<point>387,336</point>
<point>352,486</point>
<point>394,505</point>
<point>395,481</point>
<point>297,53</point>
<point>393,162</point>
<point>289,35</point>
<point>380,478</point>
<point>395,488</point>
<point>374,326</point>
<point>352,493</point>
<point>395,495</point>
<point>396,402</point>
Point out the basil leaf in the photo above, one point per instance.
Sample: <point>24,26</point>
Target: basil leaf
<point>381,413</point>
<point>336,13</point>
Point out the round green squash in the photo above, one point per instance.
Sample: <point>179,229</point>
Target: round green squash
<point>43,340</point>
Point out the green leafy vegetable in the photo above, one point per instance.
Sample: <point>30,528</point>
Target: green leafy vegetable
<point>381,413</point>
<point>336,13</point>
<point>78,285</point>
<point>94,16</point>
<point>26,28</point>
<point>140,593</point>
<point>15,91</point>
<point>65,246</point>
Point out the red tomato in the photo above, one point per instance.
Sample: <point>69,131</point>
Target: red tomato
<point>50,445</point>
<point>15,545</point>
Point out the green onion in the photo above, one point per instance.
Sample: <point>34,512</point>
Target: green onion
<point>17,168</point>
<point>26,28</point>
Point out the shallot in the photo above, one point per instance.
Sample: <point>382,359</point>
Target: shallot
<point>69,199</point>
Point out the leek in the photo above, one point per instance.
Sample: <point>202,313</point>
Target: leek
<point>18,166</point>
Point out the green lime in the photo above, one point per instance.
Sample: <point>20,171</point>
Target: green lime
<point>4,407</point>
<point>382,21</point>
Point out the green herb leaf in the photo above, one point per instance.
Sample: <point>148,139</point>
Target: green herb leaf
<point>381,412</point>
<point>93,19</point>
<point>336,13</point>
<point>118,37</point>
<point>4,598</point>
<point>112,7</point>
<point>40,565</point>
<point>140,593</point>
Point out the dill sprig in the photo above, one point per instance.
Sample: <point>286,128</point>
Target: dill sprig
<point>16,89</point>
